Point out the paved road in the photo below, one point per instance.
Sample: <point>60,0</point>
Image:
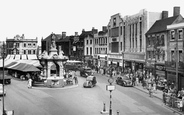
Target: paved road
<point>79,100</point>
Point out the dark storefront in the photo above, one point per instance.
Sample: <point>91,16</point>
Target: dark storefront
<point>171,73</point>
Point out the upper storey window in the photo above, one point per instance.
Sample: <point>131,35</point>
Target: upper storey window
<point>180,32</point>
<point>114,22</point>
<point>172,35</point>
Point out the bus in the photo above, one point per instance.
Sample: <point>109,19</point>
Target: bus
<point>73,65</point>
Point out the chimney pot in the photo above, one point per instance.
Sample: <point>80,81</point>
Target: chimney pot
<point>104,28</point>
<point>76,33</point>
<point>63,34</point>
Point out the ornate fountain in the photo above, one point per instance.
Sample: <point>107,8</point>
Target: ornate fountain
<point>53,65</point>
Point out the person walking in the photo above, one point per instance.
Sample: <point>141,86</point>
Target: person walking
<point>29,82</point>
<point>75,78</point>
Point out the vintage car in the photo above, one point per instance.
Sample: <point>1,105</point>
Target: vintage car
<point>85,72</point>
<point>1,90</point>
<point>124,80</point>
<point>90,82</point>
<point>7,78</point>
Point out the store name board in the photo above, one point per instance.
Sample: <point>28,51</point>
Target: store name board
<point>95,56</point>
<point>116,57</point>
<point>128,56</point>
<point>114,39</point>
<point>160,67</point>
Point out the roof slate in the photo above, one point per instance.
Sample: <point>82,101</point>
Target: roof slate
<point>161,25</point>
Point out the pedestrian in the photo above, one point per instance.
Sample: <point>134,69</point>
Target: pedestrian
<point>150,89</point>
<point>133,80</point>
<point>75,78</point>
<point>29,82</point>
<point>137,81</point>
<point>97,69</point>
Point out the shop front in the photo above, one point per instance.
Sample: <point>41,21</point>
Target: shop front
<point>134,62</point>
<point>95,60</point>
<point>160,71</point>
<point>115,60</point>
<point>171,74</point>
<point>89,60</point>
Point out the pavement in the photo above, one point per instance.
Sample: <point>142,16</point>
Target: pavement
<point>158,94</point>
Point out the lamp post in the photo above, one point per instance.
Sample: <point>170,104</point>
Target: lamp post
<point>110,88</point>
<point>3,111</point>
<point>176,58</point>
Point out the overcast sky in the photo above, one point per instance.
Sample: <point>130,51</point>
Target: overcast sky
<point>39,18</point>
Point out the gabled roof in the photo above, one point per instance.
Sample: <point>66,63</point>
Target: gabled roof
<point>161,25</point>
<point>49,37</point>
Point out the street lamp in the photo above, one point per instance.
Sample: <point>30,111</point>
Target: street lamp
<point>3,111</point>
<point>110,88</point>
<point>176,58</point>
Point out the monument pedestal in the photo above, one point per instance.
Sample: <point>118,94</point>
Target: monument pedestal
<point>55,82</point>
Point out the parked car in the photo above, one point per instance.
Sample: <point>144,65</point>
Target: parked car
<point>124,80</point>
<point>90,82</point>
<point>7,79</point>
<point>161,83</point>
<point>85,72</point>
<point>1,90</point>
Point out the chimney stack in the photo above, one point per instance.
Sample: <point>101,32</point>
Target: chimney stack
<point>164,14</point>
<point>63,34</point>
<point>76,33</point>
<point>104,28</point>
<point>176,11</point>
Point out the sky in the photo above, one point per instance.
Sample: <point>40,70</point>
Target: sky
<point>39,18</point>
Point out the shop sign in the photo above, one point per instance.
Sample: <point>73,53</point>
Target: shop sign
<point>95,56</point>
<point>115,56</point>
<point>132,56</point>
<point>159,67</point>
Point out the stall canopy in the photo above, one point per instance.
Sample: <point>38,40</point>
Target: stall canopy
<point>24,67</point>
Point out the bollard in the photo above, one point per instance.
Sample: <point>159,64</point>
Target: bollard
<point>104,109</point>
<point>117,112</point>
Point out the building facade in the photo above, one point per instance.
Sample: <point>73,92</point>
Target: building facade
<point>175,58</point>
<point>88,46</point>
<point>133,43</point>
<point>114,41</point>
<point>100,48</point>
<point>77,45</point>
<point>157,46</point>
<point>21,48</point>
